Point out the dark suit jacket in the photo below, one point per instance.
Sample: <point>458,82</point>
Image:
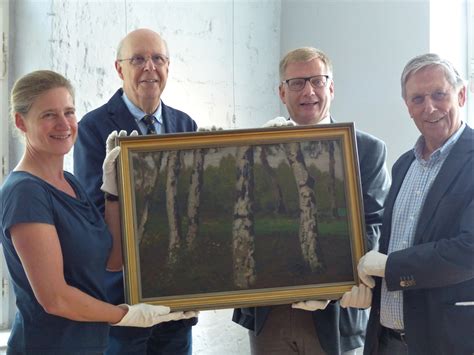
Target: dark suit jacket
<point>89,154</point>
<point>438,270</point>
<point>342,329</point>
<point>94,128</point>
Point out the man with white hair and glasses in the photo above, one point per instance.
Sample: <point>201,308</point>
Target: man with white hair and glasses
<point>142,63</point>
<point>423,272</point>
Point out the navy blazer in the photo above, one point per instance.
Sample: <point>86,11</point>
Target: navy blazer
<point>94,128</point>
<point>89,154</point>
<point>438,270</point>
<point>342,329</point>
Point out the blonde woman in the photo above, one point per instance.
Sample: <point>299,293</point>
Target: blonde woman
<point>56,243</point>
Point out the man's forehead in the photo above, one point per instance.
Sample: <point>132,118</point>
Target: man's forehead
<point>137,45</point>
<point>314,64</point>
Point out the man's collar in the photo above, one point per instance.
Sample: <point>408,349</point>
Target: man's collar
<point>325,120</point>
<point>441,151</point>
<point>138,113</point>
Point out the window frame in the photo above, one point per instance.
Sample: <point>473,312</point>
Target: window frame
<point>7,304</point>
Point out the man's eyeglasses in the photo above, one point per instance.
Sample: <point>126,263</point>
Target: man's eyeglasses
<point>437,96</point>
<point>297,84</point>
<point>139,61</point>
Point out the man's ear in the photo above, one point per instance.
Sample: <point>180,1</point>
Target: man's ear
<point>118,68</point>
<point>20,122</point>
<point>331,89</point>
<point>462,96</point>
<point>282,93</point>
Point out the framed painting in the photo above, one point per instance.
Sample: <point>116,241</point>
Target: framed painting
<point>240,218</point>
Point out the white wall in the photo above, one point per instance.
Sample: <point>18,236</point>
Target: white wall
<point>369,42</point>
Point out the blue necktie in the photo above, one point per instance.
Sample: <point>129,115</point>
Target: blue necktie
<point>150,120</point>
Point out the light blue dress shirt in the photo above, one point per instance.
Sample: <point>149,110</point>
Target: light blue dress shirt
<point>138,114</point>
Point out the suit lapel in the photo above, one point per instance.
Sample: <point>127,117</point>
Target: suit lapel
<point>169,120</point>
<point>451,168</point>
<point>120,114</point>
<point>399,175</point>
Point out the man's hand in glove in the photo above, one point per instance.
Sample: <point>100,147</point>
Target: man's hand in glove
<point>359,297</point>
<point>109,170</point>
<point>371,264</point>
<point>278,122</point>
<point>311,305</point>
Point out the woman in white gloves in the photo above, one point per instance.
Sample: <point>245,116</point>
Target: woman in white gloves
<point>56,243</point>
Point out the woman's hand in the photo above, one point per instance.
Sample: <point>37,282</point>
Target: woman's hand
<point>145,315</point>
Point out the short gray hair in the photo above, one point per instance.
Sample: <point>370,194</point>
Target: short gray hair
<point>304,54</point>
<point>426,60</point>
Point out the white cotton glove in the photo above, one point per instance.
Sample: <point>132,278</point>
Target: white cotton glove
<point>311,305</point>
<point>210,128</point>
<point>109,170</point>
<point>145,315</point>
<point>278,122</point>
<point>371,264</point>
<point>358,297</point>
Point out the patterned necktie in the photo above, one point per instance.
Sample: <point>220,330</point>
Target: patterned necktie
<point>150,120</point>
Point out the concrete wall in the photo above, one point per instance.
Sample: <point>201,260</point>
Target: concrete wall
<point>224,55</point>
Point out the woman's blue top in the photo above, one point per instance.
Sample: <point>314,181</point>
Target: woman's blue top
<point>85,245</point>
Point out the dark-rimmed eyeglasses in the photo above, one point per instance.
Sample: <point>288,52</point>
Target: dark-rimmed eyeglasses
<point>297,84</point>
<point>139,61</point>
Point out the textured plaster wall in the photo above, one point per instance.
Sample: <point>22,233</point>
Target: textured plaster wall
<point>224,54</point>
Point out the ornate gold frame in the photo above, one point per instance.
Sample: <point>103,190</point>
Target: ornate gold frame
<point>342,134</point>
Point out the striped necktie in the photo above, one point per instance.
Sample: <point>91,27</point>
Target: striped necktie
<point>149,120</point>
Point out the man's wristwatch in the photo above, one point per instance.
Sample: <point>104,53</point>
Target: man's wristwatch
<point>110,197</point>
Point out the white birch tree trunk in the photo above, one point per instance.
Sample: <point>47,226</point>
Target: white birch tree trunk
<point>243,243</point>
<point>332,177</point>
<point>172,204</point>
<point>308,231</point>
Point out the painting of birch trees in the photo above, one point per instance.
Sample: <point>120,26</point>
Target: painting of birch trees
<point>245,217</point>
